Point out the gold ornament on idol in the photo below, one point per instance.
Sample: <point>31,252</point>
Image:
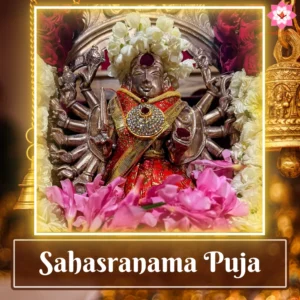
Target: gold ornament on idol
<point>145,121</point>
<point>283,102</point>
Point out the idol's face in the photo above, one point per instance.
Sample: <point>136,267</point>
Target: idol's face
<point>147,77</point>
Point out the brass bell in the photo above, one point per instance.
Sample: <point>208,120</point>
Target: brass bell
<point>283,106</point>
<point>26,198</point>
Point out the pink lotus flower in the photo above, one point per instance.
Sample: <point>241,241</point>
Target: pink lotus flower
<point>65,198</point>
<point>221,167</point>
<point>210,204</point>
<point>221,193</point>
<point>281,15</point>
<point>128,214</point>
<point>92,187</point>
<point>100,204</point>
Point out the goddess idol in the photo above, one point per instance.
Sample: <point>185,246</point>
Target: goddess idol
<point>146,130</point>
<point>137,156</point>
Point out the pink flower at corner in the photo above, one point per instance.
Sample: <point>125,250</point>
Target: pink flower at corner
<point>208,206</point>
<point>65,198</point>
<point>282,15</point>
<point>128,215</point>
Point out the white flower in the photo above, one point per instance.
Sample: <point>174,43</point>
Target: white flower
<point>119,61</point>
<point>176,32</point>
<point>133,20</point>
<point>174,44</point>
<point>239,107</point>
<point>237,152</point>
<point>173,71</point>
<point>129,52</point>
<point>160,49</point>
<point>163,40</point>
<point>252,98</point>
<point>250,130</point>
<point>145,23</point>
<point>250,173</point>
<point>186,67</point>
<point>236,82</point>
<point>253,154</point>
<point>120,30</point>
<point>247,96</point>
<point>140,42</point>
<point>154,34</point>
<point>50,218</point>
<point>245,86</point>
<point>237,183</point>
<point>42,119</point>
<point>253,103</point>
<point>184,44</point>
<point>164,23</point>
<point>46,87</point>
<point>251,223</point>
<point>42,153</point>
<point>175,58</point>
<point>113,48</point>
<point>112,71</point>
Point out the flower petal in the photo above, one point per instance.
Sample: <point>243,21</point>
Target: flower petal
<point>81,202</point>
<point>150,219</point>
<point>68,187</point>
<point>91,187</point>
<point>240,210</point>
<point>80,221</point>
<point>54,195</point>
<point>133,196</point>
<point>127,217</point>
<point>96,223</point>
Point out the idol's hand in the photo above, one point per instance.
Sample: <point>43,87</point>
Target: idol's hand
<point>178,144</point>
<point>105,142</point>
<point>183,134</point>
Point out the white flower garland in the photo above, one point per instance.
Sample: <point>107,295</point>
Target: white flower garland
<point>247,103</point>
<point>46,89</point>
<point>48,214</point>
<point>137,35</point>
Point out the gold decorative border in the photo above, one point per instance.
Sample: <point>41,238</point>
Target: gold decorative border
<point>162,234</point>
<point>31,129</point>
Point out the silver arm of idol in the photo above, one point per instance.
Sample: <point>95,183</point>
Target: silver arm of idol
<point>203,128</point>
<point>79,147</point>
<point>105,127</point>
<point>203,62</point>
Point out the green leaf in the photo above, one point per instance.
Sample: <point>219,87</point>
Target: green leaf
<point>151,206</point>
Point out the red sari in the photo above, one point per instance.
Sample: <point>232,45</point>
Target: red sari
<point>154,169</point>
